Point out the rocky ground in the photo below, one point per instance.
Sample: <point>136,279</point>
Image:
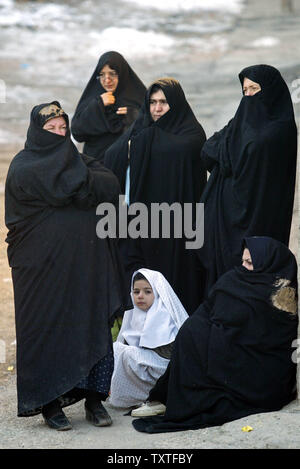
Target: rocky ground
<point>214,92</point>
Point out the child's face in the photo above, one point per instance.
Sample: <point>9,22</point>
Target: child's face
<point>143,295</point>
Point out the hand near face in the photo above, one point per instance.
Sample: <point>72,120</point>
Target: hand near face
<point>108,98</point>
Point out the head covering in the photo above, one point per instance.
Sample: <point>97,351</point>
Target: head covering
<point>98,125</point>
<point>275,268</point>
<point>275,96</point>
<point>44,113</point>
<point>160,324</point>
<point>240,346</point>
<point>253,169</point>
<point>165,167</point>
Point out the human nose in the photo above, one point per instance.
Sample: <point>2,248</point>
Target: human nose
<point>107,77</point>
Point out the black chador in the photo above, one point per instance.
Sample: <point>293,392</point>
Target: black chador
<point>234,356</point>
<point>252,160</point>
<point>163,158</point>
<point>98,125</point>
<point>67,282</point>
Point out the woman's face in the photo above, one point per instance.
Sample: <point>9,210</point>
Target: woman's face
<point>250,87</point>
<point>143,295</point>
<point>56,125</point>
<point>109,78</point>
<point>247,261</point>
<point>158,104</point>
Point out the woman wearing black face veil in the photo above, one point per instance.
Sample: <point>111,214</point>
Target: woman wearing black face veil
<point>108,105</point>
<point>67,282</point>
<point>252,162</point>
<point>233,356</point>
<point>158,160</point>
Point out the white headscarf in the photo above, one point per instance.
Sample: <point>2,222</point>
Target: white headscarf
<point>160,324</point>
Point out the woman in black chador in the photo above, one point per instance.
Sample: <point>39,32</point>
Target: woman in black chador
<point>158,160</point>
<point>67,282</point>
<point>252,162</point>
<point>234,356</point>
<point>108,105</point>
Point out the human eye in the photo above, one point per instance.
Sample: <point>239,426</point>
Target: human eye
<point>148,291</point>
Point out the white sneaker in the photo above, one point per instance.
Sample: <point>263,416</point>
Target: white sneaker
<point>149,408</point>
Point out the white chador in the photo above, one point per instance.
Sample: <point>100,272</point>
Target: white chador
<point>137,365</point>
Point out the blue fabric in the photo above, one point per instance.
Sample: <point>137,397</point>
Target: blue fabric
<point>100,375</point>
<point>127,186</point>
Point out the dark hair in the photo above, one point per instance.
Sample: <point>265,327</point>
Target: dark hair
<point>112,65</point>
<point>138,276</point>
<point>155,88</point>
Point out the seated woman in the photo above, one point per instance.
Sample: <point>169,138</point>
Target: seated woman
<point>143,347</point>
<point>108,105</point>
<point>67,282</point>
<point>233,356</point>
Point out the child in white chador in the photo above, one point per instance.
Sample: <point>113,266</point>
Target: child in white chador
<point>143,348</point>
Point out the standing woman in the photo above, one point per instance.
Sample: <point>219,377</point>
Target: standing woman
<point>252,161</point>
<point>67,282</point>
<point>108,105</point>
<point>158,161</point>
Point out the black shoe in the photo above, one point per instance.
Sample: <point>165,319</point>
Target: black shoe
<point>98,416</point>
<point>58,422</point>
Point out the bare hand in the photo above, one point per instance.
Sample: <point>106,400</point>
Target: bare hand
<point>122,110</point>
<point>108,98</point>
